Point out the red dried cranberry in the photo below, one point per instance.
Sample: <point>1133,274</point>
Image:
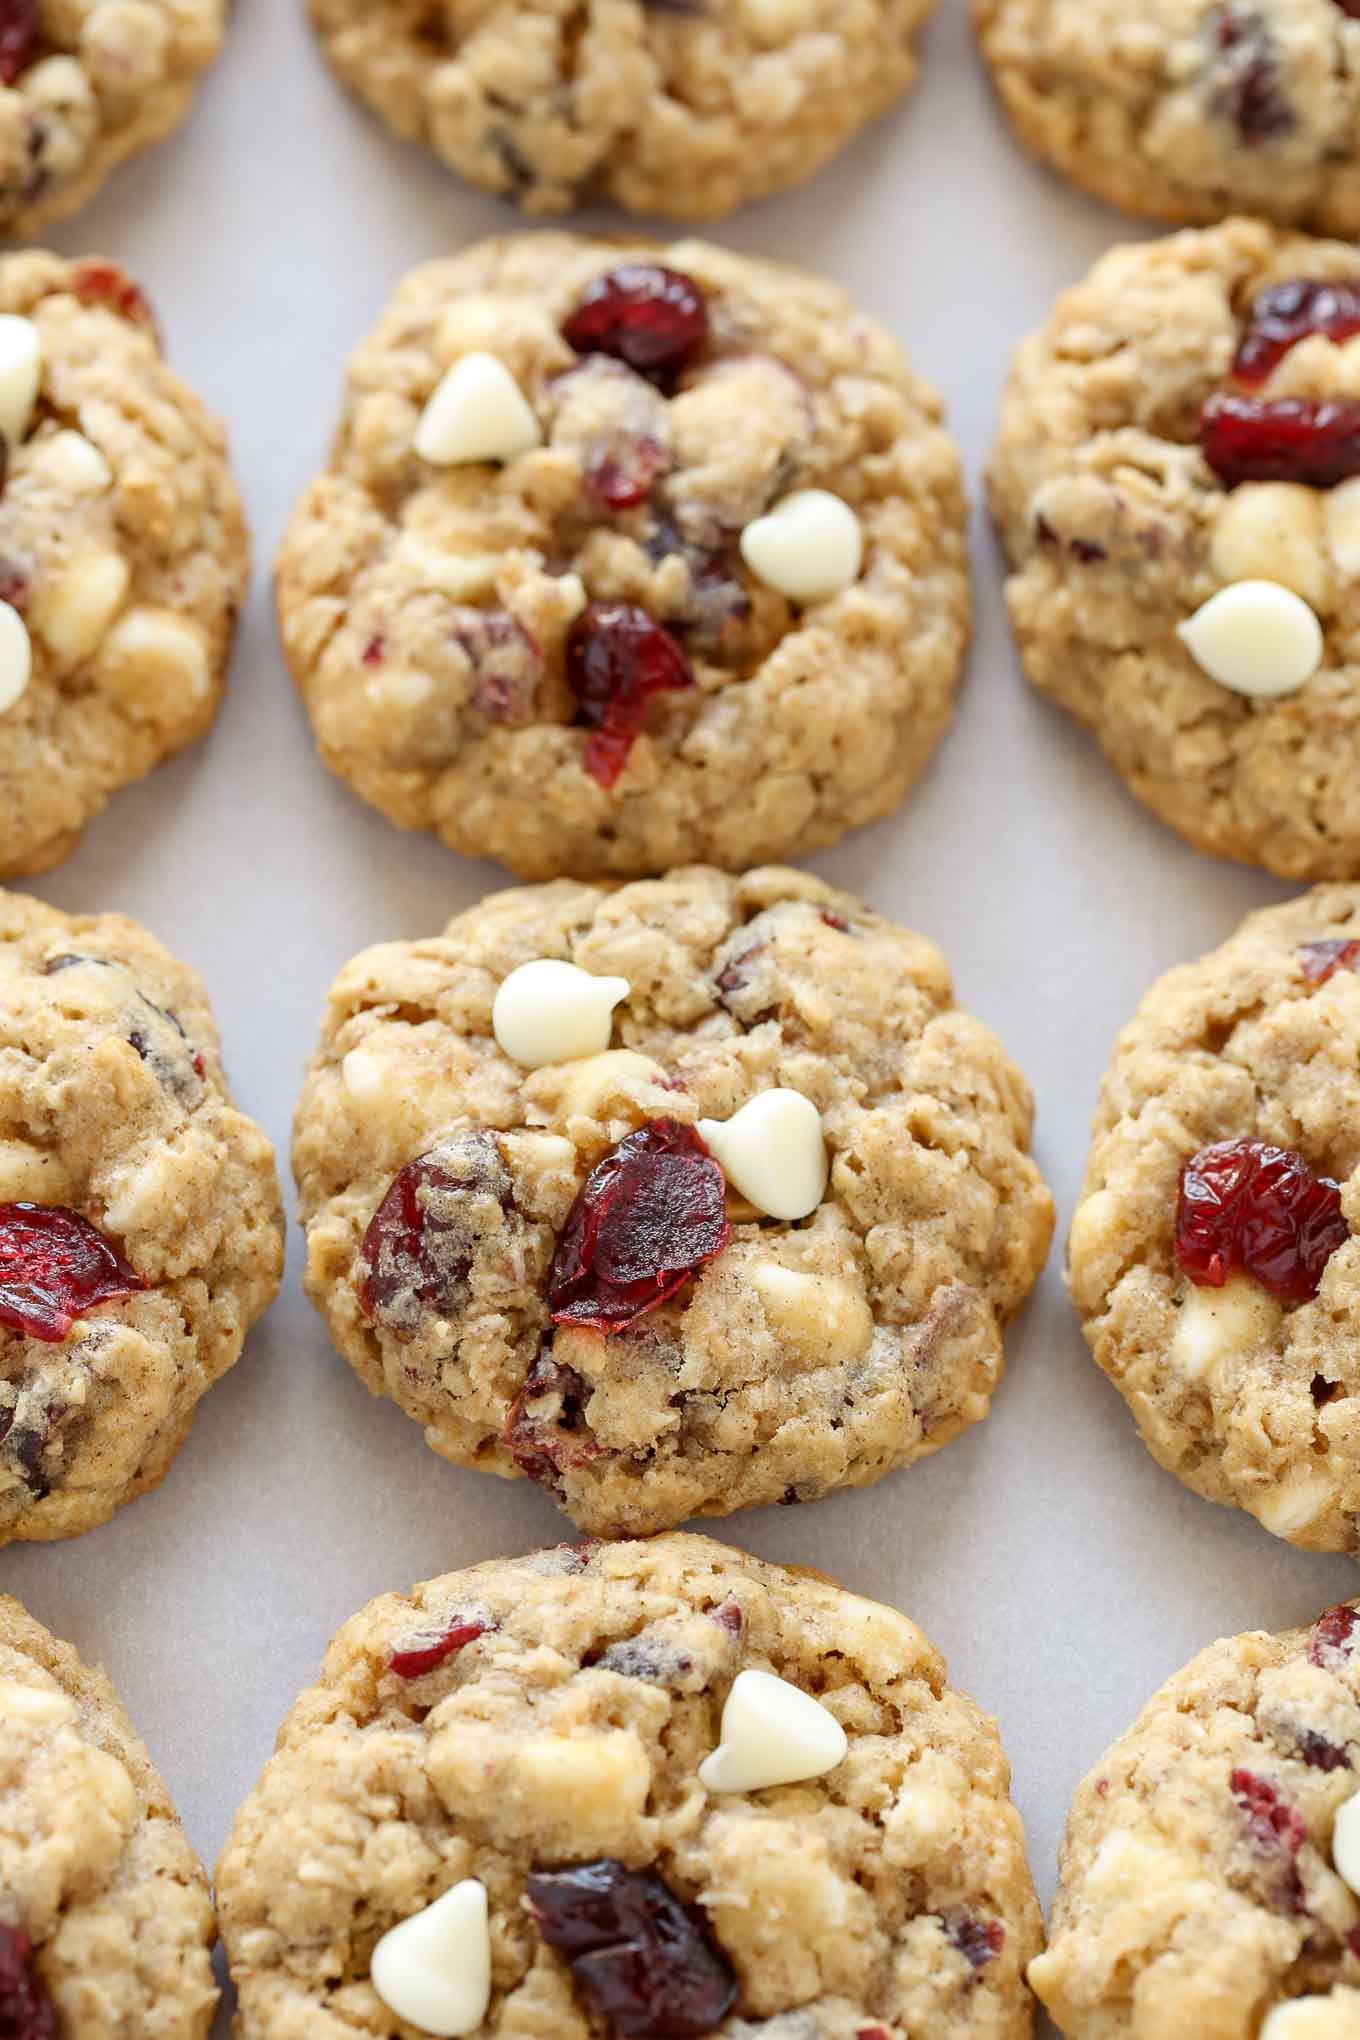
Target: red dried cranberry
<point>423,1653</point>
<point>375,651</point>
<point>618,657</point>
<point>730,1617</point>
<point>16,581</point>
<point>18,32</point>
<point>650,317</point>
<point>1353,1937</point>
<point>1333,1633</point>
<point>53,1266</point>
<point>872,2033</point>
<point>25,2009</point>
<point>650,1213</point>
<point>623,473</point>
<point>1319,1752</point>
<point>1287,313</point>
<point>546,1429</point>
<point>507,666</point>
<point>1248,1208</point>
<point>104,283</point>
<point>647,1962</point>
<point>1320,960</point>
<point>978,1940</point>
<point>421,1240</point>
<point>1351,7</point>
<point>1289,439</point>
<point>1274,1823</point>
<point>1246,76</point>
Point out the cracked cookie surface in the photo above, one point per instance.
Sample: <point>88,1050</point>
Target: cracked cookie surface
<point>803,1357</point>
<point>887,1897</point>
<point>104,1907</point>
<point>426,611</point>
<point>1197,1891</point>
<point>115,1116</point>
<point>684,110</point>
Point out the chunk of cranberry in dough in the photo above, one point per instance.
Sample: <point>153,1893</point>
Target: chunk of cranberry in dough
<point>1246,87</point>
<point>507,666</point>
<point>1286,439</point>
<point>104,283</point>
<point>1323,959</point>
<point>652,318</point>
<point>54,1266</point>
<point>978,1940</point>
<point>19,22</point>
<point>647,1963</point>
<point>1247,1208</point>
<point>422,1239</point>
<point>1320,1753</point>
<point>618,657</point>
<point>546,1429</point>
<point>1289,312</point>
<point>25,2009</point>
<point>1333,1640</point>
<point>1276,1827</point>
<point>424,1652</point>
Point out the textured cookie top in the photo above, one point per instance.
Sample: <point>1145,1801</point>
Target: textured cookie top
<point>801,1356</point>
<point>105,1922</point>
<point>88,83</point>
<point>682,110</point>
<point>116,1117</point>
<point>1197,1889</point>
<point>1248,1390</point>
<point>566,1723</point>
<point>1189,109</point>
<point>122,551</point>
<point>1179,429</point>
<point>443,614</point>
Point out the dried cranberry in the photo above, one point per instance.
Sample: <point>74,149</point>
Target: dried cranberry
<point>1319,1752</point>
<point>19,22</point>
<point>650,317</point>
<point>1351,7</point>
<point>25,2009</point>
<point>424,1652</point>
<point>1246,75</point>
<point>507,666</point>
<point>421,1240</point>
<point>16,581</point>
<point>53,1266</point>
<point>1274,1823</point>
<point>647,1962</point>
<point>1246,1207</point>
<point>979,1940</point>
<point>730,1617</point>
<point>1332,1636</point>
<point>375,651</point>
<point>1289,439</point>
<point>647,1215</point>
<point>1320,960</point>
<point>104,283</point>
<point>617,658</point>
<point>1287,313</point>
<point>546,1429</point>
<point>623,472</point>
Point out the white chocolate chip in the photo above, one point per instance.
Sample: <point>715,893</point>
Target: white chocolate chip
<point>774,1152</point>
<point>1291,1505</point>
<point>819,1316</point>
<point>73,463</point>
<point>41,1705</point>
<point>463,577</point>
<point>809,547</point>
<point>20,375</point>
<point>1272,531</point>
<point>774,21</point>
<point>1256,637</point>
<point>551,1012</point>
<point>478,412</point>
<point>1309,2018</point>
<point>1346,1842</point>
<point>71,611</point>
<point>772,1734</point>
<point>1343,526</point>
<point>16,657</point>
<point>434,1969</point>
<point>589,1088</point>
<point>1217,1324</point>
<point>156,661</point>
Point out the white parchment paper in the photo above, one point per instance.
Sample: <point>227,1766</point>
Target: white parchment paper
<point>1062,1573</point>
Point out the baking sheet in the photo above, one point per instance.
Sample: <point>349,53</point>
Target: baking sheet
<point>1062,1573</point>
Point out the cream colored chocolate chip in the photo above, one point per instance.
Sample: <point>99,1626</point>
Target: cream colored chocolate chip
<point>463,577</point>
<point>1214,1325</point>
<point>819,1316</point>
<point>70,461</point>
<point>772,1734</point>
<point>1256,637</point>
<point>774,1152</point>
<point>1273,531</point>
<point>21,365</point>
<point>1291,1505</point>
<point>434,1969</point>
<point>16,657</point>
<point>1309,2018</point>
<point>156,661</point>
<point>809,547</point>
<point>1343,526</point>
<point>41,1705</point>
<point>1346,1842</point>
<point>550,1012</point>
<point>774,21</point>
<point>478,412</point>
<point>613,1078</point>
<point>72,610</point>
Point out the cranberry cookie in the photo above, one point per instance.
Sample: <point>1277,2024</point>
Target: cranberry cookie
<point>105,1922</point>
<point>140,1227</point>
<point>1212,1256</point>
<point>123,551</point>
<point>678,1198</point>
<point>627,557</point>
<point>664,106</point>
<point>1177,485</point>
<point>1189,109</point>
<point>1209,1874</point>
<point>636,1789</point>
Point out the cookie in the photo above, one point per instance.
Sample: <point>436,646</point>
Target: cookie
<point>730,1209</point>
<point>683,110</point>
<point>676,1790</point>
<point>123,551</point>
<point>140,1220</point>
<point>1211,1258</point>
<point>88,84</point>
<point>1207,1882</point>
<point>1187,110</point>
<point>628,556</point>
<point>105,1921</point>
<point>1177,486</point>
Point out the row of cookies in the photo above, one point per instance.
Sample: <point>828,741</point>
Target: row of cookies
<point>660,1790</point>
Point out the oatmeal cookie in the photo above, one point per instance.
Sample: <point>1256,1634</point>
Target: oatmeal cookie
<point>140,1227</point>
<point>105,1922</point>
<point>123,551</point>
<point>762,1247</point>
<point>1188,110</point>
<point>1177,486</point>
<point>534,1739</point>
<point>664,106</point>
<point>628,556</point>
<point>1211,1257</point>
<point>1207,1887</point>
